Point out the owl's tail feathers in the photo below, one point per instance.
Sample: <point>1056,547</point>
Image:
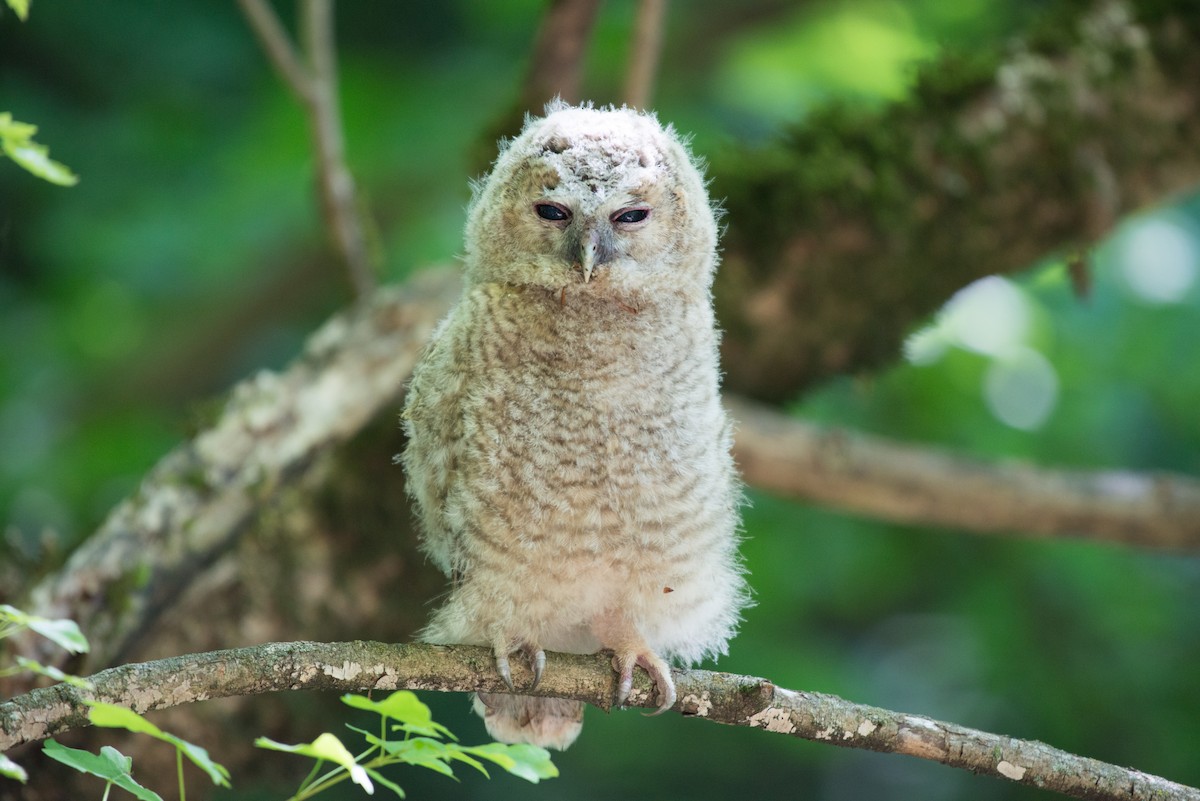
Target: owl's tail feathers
<point>548,722</point>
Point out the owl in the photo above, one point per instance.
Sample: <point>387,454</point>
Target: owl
<point>568,454</point>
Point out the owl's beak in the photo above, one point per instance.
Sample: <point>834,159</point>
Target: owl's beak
<point>587,255</point>
<point>594,252</point>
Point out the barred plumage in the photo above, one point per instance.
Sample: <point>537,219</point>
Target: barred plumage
<point>568,452</point>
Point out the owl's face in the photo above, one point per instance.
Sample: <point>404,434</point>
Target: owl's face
<point>606,200</point>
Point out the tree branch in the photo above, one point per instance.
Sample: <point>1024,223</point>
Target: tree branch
<point>556,69</point>
<point>718,697</point>
<point>315,86</point>
<point>855,225</point>
<point>643,57</point>
<point>905,483</point>
<point>278,46</point>
<point>339,202</point>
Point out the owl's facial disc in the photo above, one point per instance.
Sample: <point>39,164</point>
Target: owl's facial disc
<point>593,239</point>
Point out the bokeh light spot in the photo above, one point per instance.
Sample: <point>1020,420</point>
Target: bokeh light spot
<point>1159,260</point>
<point>1021,388</point>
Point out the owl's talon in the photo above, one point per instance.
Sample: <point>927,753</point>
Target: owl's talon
<point>666,693</point>
<point>537,661</point>
<point>505,672</point>
<point>625,687</point>
<point>660,674</point>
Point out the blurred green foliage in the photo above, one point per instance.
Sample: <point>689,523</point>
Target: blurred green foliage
<point>190,254</point>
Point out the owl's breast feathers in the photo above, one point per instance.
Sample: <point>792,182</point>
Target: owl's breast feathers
<point>571,422</point>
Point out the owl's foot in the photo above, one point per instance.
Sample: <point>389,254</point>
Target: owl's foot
<point>660,673</point>
<point>537,663</point>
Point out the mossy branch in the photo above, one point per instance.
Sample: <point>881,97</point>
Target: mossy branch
<point>718,697</point>
<point>856,224</point>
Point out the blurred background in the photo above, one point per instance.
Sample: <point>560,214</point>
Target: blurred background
<point>191,254</point>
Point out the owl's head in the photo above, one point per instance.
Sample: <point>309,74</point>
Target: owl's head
<point>604,199</point>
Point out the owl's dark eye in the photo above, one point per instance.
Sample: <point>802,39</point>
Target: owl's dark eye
<point>552,212</point>
<point>631,216</point>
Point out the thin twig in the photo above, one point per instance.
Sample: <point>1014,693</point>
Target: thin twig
<point>718,697</point>
<point>315,86</point>
<point>643,58</point>
<point>278,46</point>
<point>339,203</point>
<point>890,480</point>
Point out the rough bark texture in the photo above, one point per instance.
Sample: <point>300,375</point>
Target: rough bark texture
<point>719,697</point>
<point>858,224</point>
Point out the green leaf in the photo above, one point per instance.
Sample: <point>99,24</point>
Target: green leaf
<point>118,717</point>
<point>388,783</point>
<point>110,765</point>
<point>51,672</point>
<point>20,8</point>
<point>329,748</point>
<point>423,751</point>
<point>403,706</point>
<point>12,770</point>
<point>63,632</point>
<point>455,752</point>
<point>529,762</point>
<point>199,756</point>
<point>16,141</point>
<point>36,159</point>
<point>15,131</point>
<point>110,716</point>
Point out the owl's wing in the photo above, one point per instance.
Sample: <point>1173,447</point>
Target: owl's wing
<point>433,423</point>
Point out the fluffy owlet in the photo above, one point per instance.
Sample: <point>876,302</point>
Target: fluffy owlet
<point>568,452</point>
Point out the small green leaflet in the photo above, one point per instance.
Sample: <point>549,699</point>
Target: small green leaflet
<point>63,632</point>
<point>529,762</point>
<point>110,765</point>
<point>118,717</point>
<point>423,751</point>
<point>111,716</point>
<point>385,781</point>
<point>16,142</point>
<point>51,672</point>
<point>525,761</point>
<point>20,8</point>
<point>12,770</point>
<point>403,706</point>
<point>329,748</point>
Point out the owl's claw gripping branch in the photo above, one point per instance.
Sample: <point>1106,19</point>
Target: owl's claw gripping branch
<point>504,671</point>
<point>660,673</point>
<point>537,663</point>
